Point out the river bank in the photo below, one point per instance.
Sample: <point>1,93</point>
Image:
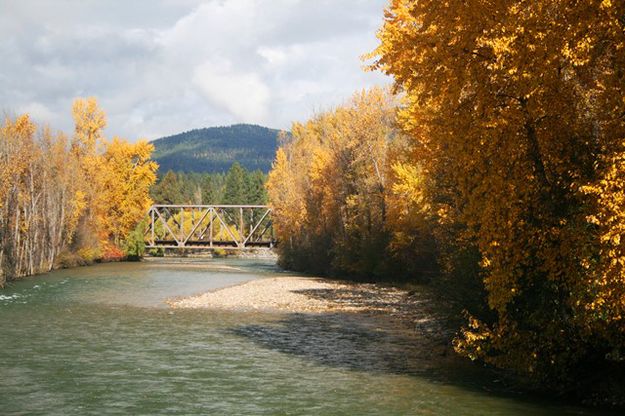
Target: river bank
<point>428,320</point>
<point>101,340</point>
<point>298,294</point>
<point>416,311</point>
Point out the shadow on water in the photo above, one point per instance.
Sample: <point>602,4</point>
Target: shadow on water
<point>375,336</point>
<point>338,340</point>
<point>354,342</point>
<point>364,342</point>
<point>96,341</point>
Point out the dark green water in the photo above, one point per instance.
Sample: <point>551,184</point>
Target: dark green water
<point>100,341</point>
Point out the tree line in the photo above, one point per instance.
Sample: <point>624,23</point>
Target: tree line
<point>498,168</point>
<point>237,186</point>
<point>68,200</point>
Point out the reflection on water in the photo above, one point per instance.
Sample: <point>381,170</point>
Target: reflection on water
<point>100,340</point>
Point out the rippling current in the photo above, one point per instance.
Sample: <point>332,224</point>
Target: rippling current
<point>100,340</point>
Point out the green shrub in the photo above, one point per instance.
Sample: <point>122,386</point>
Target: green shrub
<point>134,245</point>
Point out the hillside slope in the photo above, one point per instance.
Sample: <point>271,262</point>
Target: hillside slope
<point>214,149</point>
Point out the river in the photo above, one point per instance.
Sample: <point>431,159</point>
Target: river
<point>100,340</point>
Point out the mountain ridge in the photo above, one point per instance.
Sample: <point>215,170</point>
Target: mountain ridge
<point>214,149</point>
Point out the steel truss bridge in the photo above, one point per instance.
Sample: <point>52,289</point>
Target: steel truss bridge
<point>239,227</point>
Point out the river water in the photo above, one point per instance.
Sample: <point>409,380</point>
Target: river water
<point>100,340</point>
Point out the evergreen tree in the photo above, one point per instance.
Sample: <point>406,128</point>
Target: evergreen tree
<point>167,191</point>
<point>235,187</point>
<point>256,192</point>
<point>211,188</point>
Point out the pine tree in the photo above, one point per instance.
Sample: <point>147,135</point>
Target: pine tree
<point>168,190</point>
<point>235,188</point>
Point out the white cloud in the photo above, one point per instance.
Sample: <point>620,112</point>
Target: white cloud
<point>275,57</point>
<point>159,68</point>
<point>243,94</point>
<point>38,112</point>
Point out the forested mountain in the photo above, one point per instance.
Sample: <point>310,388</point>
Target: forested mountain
<point>214,149</point>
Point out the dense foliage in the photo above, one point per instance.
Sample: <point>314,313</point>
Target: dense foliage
<point>340,188</point>
<point>212,150</point>
<point>66,198</point>
<point>516,113</point>
<point>512,178</point>
<point>237,186</point>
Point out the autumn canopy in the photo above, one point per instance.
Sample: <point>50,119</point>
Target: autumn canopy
<point>512,175</point>
<point>67,200</point>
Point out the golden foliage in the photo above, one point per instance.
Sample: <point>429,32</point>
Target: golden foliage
<point>123,199</point>
<point>89,121</point>
<point>327,184</point>
<point>604,301</point>
<point>516,110</point>
<point>56,195</point>
<point>341,193</point>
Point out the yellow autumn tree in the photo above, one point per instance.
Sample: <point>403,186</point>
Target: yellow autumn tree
<point>516,112</point>
<point>330,187</point>
<point>18,155</point>
<point>62,201</point>
<point>89,121</point>
<point>86,144</point>
<point>117,177</point>
<point>411,217</point>
<point>288,184</point>
<point>41,200</point>
<point>286,198</point>
<point>127,174</point>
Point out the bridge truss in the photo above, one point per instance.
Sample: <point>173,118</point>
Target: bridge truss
<point>237,227</point>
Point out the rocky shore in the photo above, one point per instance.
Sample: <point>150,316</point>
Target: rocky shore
<point>414,309</point>
<point>417,313</point>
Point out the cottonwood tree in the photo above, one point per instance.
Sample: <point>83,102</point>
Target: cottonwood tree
<point>329,188</point>
<point>516,112</point>
<point>54,191</point>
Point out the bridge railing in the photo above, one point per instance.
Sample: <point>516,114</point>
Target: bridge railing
<point>209,226</point>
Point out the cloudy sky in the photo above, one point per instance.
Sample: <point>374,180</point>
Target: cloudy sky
<point>159,68</point>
